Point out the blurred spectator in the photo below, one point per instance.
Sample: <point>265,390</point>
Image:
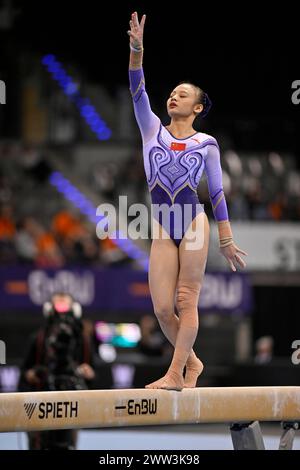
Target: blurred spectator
<point>48,253</point>
<point>86,250</point>
<point>34,164</point>
<point>264,350</point>
<point>131,179</point>
<point>7,233</point>
<point>238,207</point>
<point>65,225</point>
<point>25,242</point>
<point>279,207</point>
<point>78,243</point>
<point>72,244</point>
<point>35,241</point>
<point>256,200</point>
<point>104,179</point>
<point>7,224</point>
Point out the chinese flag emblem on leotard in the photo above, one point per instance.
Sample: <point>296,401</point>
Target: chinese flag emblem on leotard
<point>177,146</point>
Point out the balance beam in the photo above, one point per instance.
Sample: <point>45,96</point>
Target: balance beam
<point>134,407</point>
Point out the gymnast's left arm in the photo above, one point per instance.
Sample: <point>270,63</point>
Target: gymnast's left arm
<point>213,173</point>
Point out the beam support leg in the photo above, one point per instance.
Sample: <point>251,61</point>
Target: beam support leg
<point>247,436</point>
<point>288,435</point>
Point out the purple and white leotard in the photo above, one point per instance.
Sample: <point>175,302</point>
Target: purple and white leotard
<point>174,166</point>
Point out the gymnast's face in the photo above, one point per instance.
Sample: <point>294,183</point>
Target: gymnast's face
<point>182,102</point>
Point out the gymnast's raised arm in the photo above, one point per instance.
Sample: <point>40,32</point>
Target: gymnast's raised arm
<point>148,122</point>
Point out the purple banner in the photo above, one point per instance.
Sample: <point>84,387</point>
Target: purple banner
<point>113,289</point>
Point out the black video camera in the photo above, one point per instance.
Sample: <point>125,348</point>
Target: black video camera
<point>63,344</point>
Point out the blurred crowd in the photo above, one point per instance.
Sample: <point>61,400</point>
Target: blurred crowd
<point>37,226</point>
<point>67,239</point>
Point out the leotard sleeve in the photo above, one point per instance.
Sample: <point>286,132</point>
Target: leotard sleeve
<point>213,173</point>
<point>147,121</point>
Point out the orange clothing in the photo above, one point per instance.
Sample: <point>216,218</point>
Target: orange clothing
<point>7,228</point>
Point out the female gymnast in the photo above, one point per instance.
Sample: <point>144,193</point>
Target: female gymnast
<point>175,157</point>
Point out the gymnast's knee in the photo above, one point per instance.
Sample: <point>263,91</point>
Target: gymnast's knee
<point>187,297</point>
<point>164,313</point>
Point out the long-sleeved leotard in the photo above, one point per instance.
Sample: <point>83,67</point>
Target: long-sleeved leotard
<point>174,167</point>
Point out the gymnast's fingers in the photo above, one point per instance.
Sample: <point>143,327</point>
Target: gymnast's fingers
<point>142,23</point>
<point>135,20</point>
<point>231,264</point>
<point>240,261</point>
<point>241,251</point>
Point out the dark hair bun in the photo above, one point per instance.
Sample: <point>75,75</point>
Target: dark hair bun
<point>207,104</point>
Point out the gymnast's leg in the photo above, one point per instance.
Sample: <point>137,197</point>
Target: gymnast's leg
<point>163,274</point>
<point>190,279</point>
<point>163,277</point>
<point>191,271</point>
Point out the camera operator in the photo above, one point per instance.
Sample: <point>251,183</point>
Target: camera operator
<point>59,358</point>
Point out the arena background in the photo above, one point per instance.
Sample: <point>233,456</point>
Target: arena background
<point>69,142</point>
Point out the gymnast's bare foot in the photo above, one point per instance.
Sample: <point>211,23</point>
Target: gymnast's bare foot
<point>171,381</point>
<point>193,369</point>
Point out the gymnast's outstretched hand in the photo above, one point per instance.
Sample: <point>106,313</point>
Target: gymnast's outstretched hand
<point>136,32</point>
<point>231,253</point>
